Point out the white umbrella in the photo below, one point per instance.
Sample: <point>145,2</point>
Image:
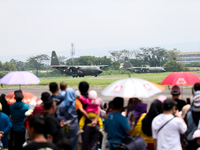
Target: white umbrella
<point>132,87</point>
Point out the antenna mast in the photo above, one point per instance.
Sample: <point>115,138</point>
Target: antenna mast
<point>72,51</point>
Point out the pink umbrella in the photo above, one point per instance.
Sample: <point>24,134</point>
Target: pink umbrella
<point>181,78</point>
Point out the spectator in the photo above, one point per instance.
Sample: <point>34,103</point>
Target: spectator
<point>64,144</point>
<point>67,112</point>
<point>53,131</point>
<point>175,92</point>
<point>17,111</point>
<point>39,109</point>
<point>53,87</point>
<point>5,106</point>
<point>154,110</point>
<point>195,92</point>
<point>166,128</point>
<point>110,107</point>
<point>5,126</point>
<point>192,119</point>
<point>92,109</point>
<point>90,135</point>
<point>130,109</point>
<point>36,128</point>
<point>117,125</point>
<point>139,109</point>
<point>63,87</point>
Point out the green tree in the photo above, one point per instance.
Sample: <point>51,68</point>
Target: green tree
<point>173,54</point>
<point>1,66</point>
<point>173,66</point>
<point>38,61</point>
<point>152,56</point>
<point>9,66</point>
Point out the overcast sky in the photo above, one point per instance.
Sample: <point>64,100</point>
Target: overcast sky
<point>32,27</point>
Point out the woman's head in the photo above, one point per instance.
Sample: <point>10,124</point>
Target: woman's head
<point>70,94</point>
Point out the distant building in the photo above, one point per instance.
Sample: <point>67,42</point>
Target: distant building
<point>188,57</point>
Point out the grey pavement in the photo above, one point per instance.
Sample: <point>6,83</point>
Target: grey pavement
<point>38,90</point>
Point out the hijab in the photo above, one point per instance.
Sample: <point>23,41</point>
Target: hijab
<point>139,110</point>
<point>155,109</point>
<point>69,101</point>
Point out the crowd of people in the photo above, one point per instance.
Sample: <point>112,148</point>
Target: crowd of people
<point>64,119</point>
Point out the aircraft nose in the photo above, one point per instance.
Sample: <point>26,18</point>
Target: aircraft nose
<point>100,71</point>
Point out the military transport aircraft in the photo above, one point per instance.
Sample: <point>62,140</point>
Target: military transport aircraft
<point>127,65</point>
<point>75,70</point>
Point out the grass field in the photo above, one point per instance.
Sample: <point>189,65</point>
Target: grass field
<point>106,80</point>
<point>103,80</point>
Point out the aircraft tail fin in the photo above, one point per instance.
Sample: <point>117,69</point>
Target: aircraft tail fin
<point>127,63</point>
<point>54,59</point>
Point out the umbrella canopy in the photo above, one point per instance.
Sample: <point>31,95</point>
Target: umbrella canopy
<point>28,97</point>
<point>132,87</point>
<point>181,78</point>
<point>20,78</point>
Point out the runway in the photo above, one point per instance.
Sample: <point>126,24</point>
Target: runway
<point>38,90</point>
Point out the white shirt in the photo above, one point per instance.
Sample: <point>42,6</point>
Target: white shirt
<point>168,137</point>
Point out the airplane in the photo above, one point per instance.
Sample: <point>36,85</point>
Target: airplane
<point>127,65</point>
<point>75,70</point>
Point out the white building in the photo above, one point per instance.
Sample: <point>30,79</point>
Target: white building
<point>188,57</point>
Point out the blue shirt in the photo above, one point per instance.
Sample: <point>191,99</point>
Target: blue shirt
<point>116,126</point>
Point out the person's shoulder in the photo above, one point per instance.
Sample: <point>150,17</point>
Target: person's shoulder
<point>40,145</point>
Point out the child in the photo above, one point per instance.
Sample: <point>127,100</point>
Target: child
<point>63,87</point>
<point>92,109</point>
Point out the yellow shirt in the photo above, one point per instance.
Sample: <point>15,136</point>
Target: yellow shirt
<point>137,131</point>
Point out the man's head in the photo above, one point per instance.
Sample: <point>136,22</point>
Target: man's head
<point>197,86</point>
<point>50,106</point>
<point>18,95</point>
<point>175,91</point>
<point>169,104</point>
<point>63,86</point>
<point>45,96</point>
<point>36,126</point>
<point>83,87</point>
<point>53,87</point>
<point>64,144</point>
<point>118,103</point>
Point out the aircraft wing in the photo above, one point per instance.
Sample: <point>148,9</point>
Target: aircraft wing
<point>102,66</point>
<point>65,66</point>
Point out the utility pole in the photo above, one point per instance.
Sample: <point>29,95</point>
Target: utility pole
<point>72,51</point>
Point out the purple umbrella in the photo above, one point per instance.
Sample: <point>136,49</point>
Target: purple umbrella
<point>20,78</point>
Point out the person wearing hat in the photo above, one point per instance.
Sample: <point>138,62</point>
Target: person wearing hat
<point>166,128</point>
<point>175,92</point>
<point>17,111</point>
<point>5,126</point>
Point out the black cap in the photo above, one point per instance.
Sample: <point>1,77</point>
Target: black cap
<point>169,103</point>
<point>18,94</point>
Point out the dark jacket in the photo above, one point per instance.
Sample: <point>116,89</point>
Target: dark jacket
<point>17,111</point>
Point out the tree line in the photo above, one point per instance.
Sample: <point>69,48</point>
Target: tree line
<point>150,56</point>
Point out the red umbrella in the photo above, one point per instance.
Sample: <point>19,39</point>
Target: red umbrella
<point>28,97</point>
<point>181,78</point>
